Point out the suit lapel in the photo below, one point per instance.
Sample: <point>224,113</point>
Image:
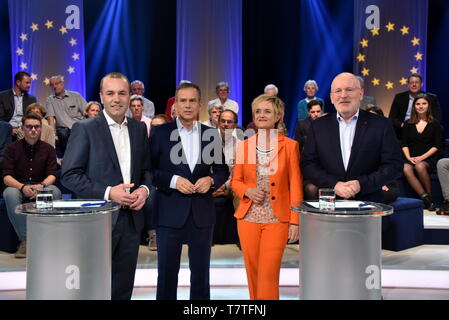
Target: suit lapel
<point>107,139</point>
<point>360,130</point>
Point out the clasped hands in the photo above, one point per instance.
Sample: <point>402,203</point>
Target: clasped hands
<point>347,189</point>
<point>134,200</point>
<point>202,185</point>
<point>30,190</point>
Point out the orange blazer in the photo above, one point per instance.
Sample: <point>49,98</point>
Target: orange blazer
<point>284,172</point>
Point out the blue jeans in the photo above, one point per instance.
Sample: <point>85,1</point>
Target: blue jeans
<point>13,197</point>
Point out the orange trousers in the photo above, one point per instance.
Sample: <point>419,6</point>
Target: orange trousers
<point>263,246</point>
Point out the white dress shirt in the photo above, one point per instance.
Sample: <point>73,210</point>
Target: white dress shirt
<point>347,133</point>
<point>190,140</point>
<point>228,105</point>
<point>16,119</point>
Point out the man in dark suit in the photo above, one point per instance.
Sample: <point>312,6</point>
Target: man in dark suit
<point>14,102</point>
<point>314,110</point>
<point>187,163</point>
<point>401,108</point>
<point>107,157</point>
<point>352,151</point>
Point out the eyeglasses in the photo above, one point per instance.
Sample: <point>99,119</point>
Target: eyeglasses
<point>29,127</point>
<point>349,91</point>
<point>226,121</point>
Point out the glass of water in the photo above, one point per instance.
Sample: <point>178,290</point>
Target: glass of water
<point>44,199</point>
<point>327,199</point>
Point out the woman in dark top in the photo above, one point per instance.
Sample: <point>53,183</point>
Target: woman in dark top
<point>421,141</point>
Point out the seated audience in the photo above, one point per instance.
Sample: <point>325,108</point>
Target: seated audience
<point>136,108</point>
<point>271,89</point>
<point>421,141</point>
<point>47,132</point>
<point>93,108</point>
<point>310,88</point>
<point>367,101</point>
<point>443,176</point>
<point>222,90</point>
<point>5,139</point>
<point>214,112</point>
<point>29,164</point>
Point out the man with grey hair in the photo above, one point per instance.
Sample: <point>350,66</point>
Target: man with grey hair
<point>271,89</point>
<point>64,108</point>
<point>310,88</point>
<point>222,90</point>
<point>138,88</point>
<point>367,101</point>
<point>214,114</point>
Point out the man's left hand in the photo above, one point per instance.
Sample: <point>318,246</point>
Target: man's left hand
<point>203,185</point>
<point>141,195</point>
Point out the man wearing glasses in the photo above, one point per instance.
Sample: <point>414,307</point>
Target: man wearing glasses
<point>29,164</point>
<point>353,151</point>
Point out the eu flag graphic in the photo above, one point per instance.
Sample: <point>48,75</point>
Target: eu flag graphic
<point>389,45</point>
<point>47,38</point>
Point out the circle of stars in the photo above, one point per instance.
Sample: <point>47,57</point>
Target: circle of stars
<point>364,43</point>
<point>34,27</point>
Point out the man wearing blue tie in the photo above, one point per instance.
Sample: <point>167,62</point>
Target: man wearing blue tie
<point>187,163</point>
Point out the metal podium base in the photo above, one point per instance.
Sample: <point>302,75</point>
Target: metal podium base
<point>342,258</point>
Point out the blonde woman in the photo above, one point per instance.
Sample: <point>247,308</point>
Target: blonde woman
<point>268,180</point>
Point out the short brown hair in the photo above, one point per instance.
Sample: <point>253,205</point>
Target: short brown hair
<point>36,106</point>
<point>115,75</point>
<point>187,85</point>
<point>31,116</point>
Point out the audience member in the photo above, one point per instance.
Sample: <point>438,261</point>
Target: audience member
<point>367,101</point>
<point>268,181</point>
<point>47,133</point>
<point>29,164</point>
<point>136,108</point>
<point>401,108</point>
<point>183,174</point>
<point>5,139</point>
<point>107,158</point>
<point>93,108</point>
<point>271,89</point>
<point>14,102</point>
<point>310,88</point>
<point>64,108</point>
<point>421,142</point>
<point>443,176</point>
<point>335,155</point>
<point>214,112</point>
<point>222,91</point>
<point>138,88</point>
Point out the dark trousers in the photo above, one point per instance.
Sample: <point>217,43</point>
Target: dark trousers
<point>169,247</point>
<point>63,137</point>
<point>125,250</point>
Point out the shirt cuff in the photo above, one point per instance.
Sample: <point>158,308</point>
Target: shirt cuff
<point>173,181</point>
<point>106,193</point>
<point>146,188</point>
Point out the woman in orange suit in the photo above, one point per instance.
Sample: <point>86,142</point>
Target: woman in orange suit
<point>268,180</point>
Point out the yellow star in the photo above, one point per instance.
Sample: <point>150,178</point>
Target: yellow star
<point>415,41</point>
<point>365,72</point>
<point>63,30</point>
<point>49,24</point>
<point>403,81</point>
<point>418,56</point>
<point>389,85</point>
<point>19,52</point>
<point>375,82</point>
<point>34,27</point>
<point>72,42</point>
<point>414,70</point>
<point>23,37</point>
<point>33,76</point>
<point>390,26</point>
<point>75,56</point>
<point>404,30</point>
<point>361,57</point>
<point>71,70</point>
<point>46,81</point>
<point>23,66</point>
<point>364,43</point>
<point>375,31</point>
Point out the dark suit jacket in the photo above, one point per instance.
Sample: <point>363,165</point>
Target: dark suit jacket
<point>7,104</point>
<point>400,105</point>
<point>91,165</point>
<point>375,155</point>
<point>302,130</point>
<point>171,207</point>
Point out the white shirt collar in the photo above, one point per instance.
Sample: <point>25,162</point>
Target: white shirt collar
<point>182,128</point>
<point>111,122</point>
<point>354,117</point>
